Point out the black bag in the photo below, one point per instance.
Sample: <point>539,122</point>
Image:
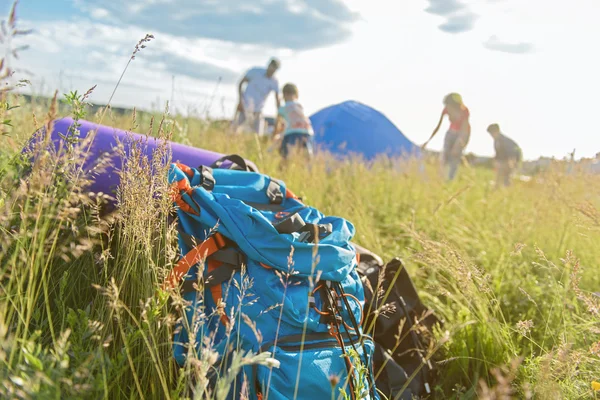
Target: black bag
<point>398,354</point>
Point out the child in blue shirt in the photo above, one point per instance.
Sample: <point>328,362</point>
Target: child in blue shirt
<point>295,125</point>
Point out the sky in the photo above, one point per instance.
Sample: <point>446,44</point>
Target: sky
<point>529,65</point>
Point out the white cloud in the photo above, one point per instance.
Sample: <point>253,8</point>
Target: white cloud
<point>296,6</point>
<point>458,15</point>
<point>459,23</point>
<point>495,44</point>
<point>69,55</point>
<point>252,8</point>
<point>135,8</point>
<point>270,23</point>
<point>399,63</point>
<point>100,13</point>
<point>119,41</point>
<point>445,7</point>
<point>396,61</point>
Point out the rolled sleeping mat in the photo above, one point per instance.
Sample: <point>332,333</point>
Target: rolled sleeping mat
<point>106,142</point>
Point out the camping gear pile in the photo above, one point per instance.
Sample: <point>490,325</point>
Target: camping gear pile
<point>278,276</point>
<point>253,252</point>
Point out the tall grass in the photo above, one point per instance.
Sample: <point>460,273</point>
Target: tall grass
<point>512,272</point>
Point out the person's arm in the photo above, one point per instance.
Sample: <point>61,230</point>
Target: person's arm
<point>279,123</point>
<point>516,153</point>
<point>497,151</point>
<point>435,131</point>
<point>519,158</point>
<point>279,126</point>
<point>276,92</point>
<point>241,92</point>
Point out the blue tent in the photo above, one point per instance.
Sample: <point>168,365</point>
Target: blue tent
<point>352,127</point>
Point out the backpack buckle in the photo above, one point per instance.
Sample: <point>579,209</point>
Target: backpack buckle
<point>207,181</point>
<point>312,232</point>
<point>274,193</point>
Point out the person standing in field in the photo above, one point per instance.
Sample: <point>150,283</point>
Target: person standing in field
<point>293,122</point>
<point>508,155</point>
<point>457,136</point>
<point>595,165</point>
<point>259,83</point>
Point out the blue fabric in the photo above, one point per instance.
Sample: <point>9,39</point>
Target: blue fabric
<point>276,299</point>
<point>352,127</point>
<point>294,139</point>
<point>318,365</point>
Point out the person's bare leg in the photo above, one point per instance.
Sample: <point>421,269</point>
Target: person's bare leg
<point>258,124</point>
<point>507,176</point>
<point>503,174</point>
<point>453,167</point>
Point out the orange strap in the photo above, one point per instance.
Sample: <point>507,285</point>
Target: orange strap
<point>205,249</point>
<point>176,189</point>
<point>265,266</point>
<point>290,195</point>
<point>187,170</point>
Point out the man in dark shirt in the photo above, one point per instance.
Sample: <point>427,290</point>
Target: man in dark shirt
<point>508,154</point>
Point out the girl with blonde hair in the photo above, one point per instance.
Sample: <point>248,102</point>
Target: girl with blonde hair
<point>458,134</point>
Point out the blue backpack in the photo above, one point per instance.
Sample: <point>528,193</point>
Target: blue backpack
<point>269,274</point>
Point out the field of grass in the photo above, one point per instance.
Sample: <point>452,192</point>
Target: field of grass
<point>512,272</point>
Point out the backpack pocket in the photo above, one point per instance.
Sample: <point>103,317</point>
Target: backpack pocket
<point>318,368</point>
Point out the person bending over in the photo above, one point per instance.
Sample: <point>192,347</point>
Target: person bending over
<point>508,155</point>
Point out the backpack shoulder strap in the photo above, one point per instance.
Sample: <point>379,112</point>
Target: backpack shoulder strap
<point>236,161</point>
<point>205,249</point>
